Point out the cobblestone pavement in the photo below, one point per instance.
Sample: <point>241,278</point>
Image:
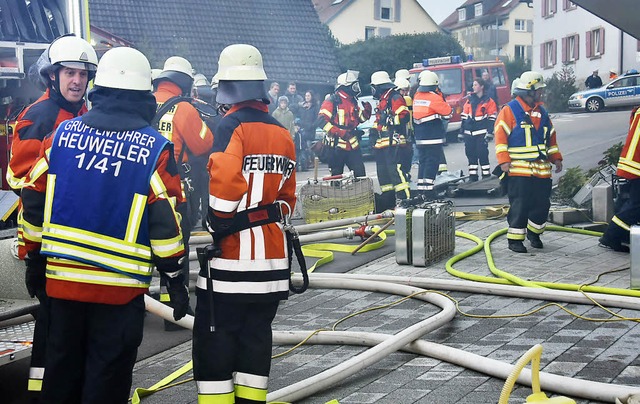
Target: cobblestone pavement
<point>598,351</point>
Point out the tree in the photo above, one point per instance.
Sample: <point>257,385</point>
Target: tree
<point>394,52</point>
<point>560,86</point>
<point>516,67</point>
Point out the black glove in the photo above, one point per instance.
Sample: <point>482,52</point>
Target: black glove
<point>178,295</point>
<point>35,278</point>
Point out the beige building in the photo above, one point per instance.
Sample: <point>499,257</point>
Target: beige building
<point>358,20</point>
<point>490,29</point>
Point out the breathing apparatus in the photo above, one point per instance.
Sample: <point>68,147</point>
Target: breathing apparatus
<point>348,82</point>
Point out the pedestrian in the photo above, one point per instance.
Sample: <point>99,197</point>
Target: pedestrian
<point>64,69</point>
<point>489,88</point>
<point>430,110</point>
<point>284,115</point>
<point>478,118</point>
<point>593,81</point>
<point>274,90</point>
<point>190,135</point>
<point>339,117</point>
<point>295,99</point>
<point>612,74</point>
<point>526,147</point>
<point>107,218</point>
<point>618,231</point>
<point>252,168</point>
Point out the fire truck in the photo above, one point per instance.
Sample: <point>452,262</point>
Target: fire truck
<point>456,79</point>
<point>26,29</point>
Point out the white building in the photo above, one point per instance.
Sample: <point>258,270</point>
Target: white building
<point>567,35</point>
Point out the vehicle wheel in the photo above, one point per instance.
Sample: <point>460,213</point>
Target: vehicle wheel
<point>593,105</point>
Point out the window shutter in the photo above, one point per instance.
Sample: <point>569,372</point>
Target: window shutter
<point>543,55</point>
<point>396,11</point>
<point>545,7</point>
<point>529,25</point>
<point>565,56</point>
<point>576,47</point>
<point>587,36</point>
<point>554,52</point>
<point>601,41</point>
<point>554,6</point>
<point>384,31</point>
<point>376,9</point>
<point>529,55</point>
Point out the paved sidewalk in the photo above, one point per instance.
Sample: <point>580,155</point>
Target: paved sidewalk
<point>605,352</point>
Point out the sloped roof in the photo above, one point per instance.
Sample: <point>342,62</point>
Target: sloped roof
<point>288,33</point>
<point>327,9</point>
<point>491,10</point>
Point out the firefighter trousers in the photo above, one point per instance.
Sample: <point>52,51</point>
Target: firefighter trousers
<point>392,181</point>
<point>477,152</point>
<point>429,158</point>
<point>235,359</point>
<point>39,348</point>
<point>529,200</point>
<point>351,158</point>
<point>628,215</point>
<point>91,351</point>
<point>405,156</point>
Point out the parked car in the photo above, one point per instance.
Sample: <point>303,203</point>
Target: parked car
<point>621,92</point>
<point>365,145</point>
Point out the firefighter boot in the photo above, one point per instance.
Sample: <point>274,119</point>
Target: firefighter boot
<point>534,239</point>
<point>615,245</point>
<point>517,246</point>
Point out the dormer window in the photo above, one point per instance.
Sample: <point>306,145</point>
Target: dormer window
<point>477,9</point>
<point>462,14</point>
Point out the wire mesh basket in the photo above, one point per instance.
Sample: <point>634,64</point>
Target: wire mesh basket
<point>433,232</point>
<point>337,197</point>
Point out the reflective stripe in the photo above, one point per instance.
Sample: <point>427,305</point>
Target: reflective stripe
<point>36,373</point>
<point>168,247</point>
<point>203,130</point>
<point>51,184</point>
<point>476,132</point>
<point>536,228</point>
<point>34,385</point>
<point>504,126</point>
<point>215,392</point>
<point>222,205</point>
<point>251,393</point>
<point>249,380</point>
<point>516,233</point>
<point>135,217</point>
<point>92,276</point>
<point>620,223</point>
<point>245,287</point>
<point>424,142</point>
<point>255,265</point>
<point>29,231</point>
<point>427,118</point>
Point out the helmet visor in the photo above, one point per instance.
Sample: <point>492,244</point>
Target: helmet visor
<point>355,87</point>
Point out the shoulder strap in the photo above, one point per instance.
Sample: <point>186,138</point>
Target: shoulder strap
<point>164,108</point>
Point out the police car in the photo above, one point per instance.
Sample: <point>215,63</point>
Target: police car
<point>621,92</point>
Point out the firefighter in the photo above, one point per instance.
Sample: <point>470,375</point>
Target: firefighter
<point>478,118</point>
<point>251,169</point>
<point>405,152</point>
<point>105,217</point>
<point>389,130</point>
<point>339,117</point>
<point>64,69</point>
<point>191,137</point>
<point>628,214</point>
<point>429,112</point>
<point>526,147</point>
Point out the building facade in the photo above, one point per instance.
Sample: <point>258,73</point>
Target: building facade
<point>490,29</point>
<point>568,35</point>
<point>358,20</point>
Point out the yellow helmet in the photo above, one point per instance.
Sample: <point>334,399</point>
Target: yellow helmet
<point>531,80</point>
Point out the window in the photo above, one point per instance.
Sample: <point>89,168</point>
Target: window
<point>548,54</point>
<point>625,82</point>
<point>497,75</point>
<point>570,48</point>
<point>369,32</point>
<point>549,8</point>
<point>520,52</point>
<point>462,14</point>
<point>477,9</point>
<point>521,25</point>
<point>595,43</point>
<point>568,5</point>
<point>385,9</point>
<point>384,31</point>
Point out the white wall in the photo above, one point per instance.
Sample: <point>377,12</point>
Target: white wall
<point>579,21</point>
<point>349,25</point>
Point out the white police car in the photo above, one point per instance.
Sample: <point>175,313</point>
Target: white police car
<point>621,92</point>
